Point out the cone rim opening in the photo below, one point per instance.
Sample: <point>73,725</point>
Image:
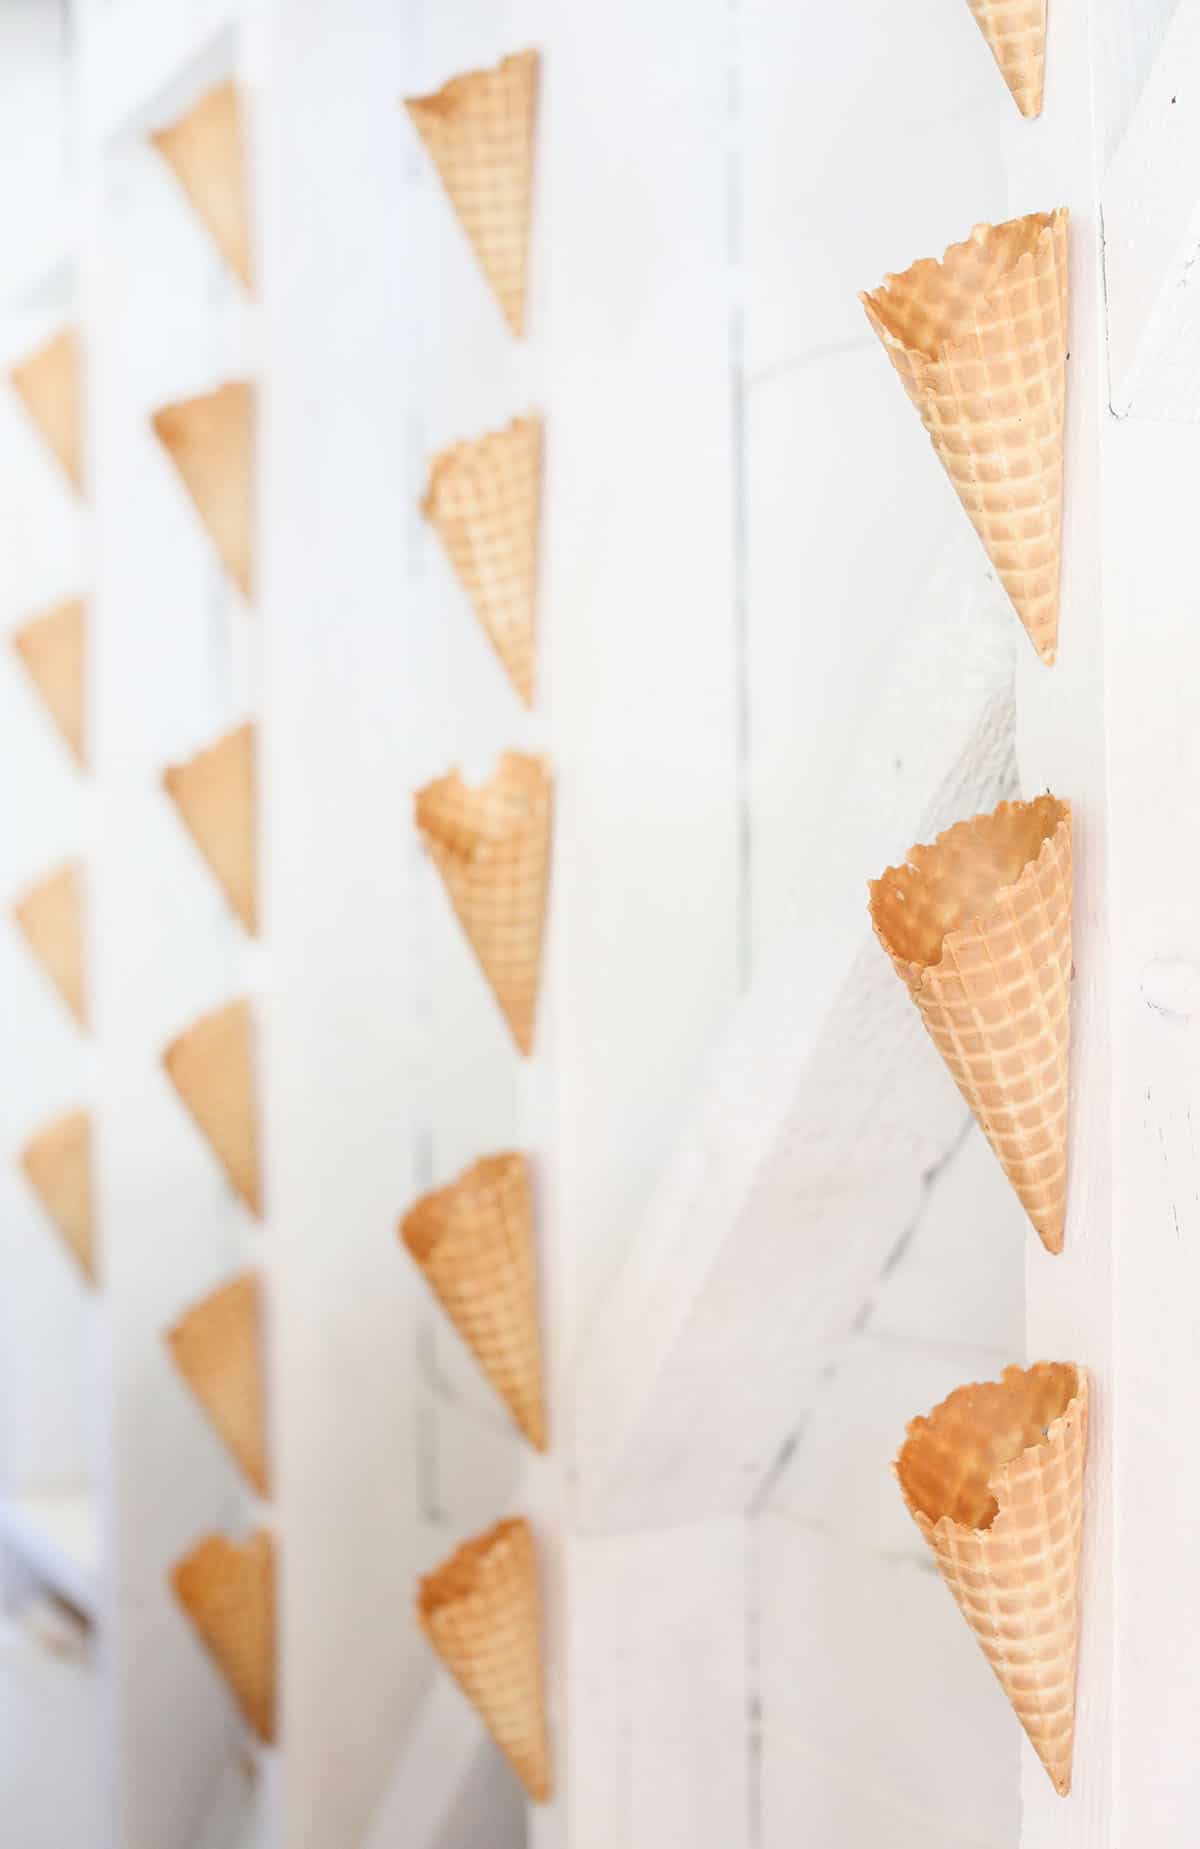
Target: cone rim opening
<point>455,97</point>
<point>460,1576</point>
<point>452,461</point>
<point>887,895</point>
<point>1068,1385</point>
<point>432,1221</point>
<point>936,273</point>
<point>517,774</point>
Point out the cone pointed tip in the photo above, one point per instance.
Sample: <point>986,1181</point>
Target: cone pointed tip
<point>1053,1241</point>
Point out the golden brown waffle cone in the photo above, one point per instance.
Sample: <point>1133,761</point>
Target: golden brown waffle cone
<point>214,794</point>
<point>980,342</point>
<point>51,648</point>
<point>479,131</point>
<point>481,1611</point>
<point>211,442</point>
<point>1015,31</point>
<point>212,1068</point>
<point>48,384</point>
<point>204,151</point>
<point>993,1478</point>
<point>51,920</point>
<point>484,502</point>
<point>217,1348</point>
<point>58,1166</point>
<point>978,926</point>
<point>492,849</point>
<point>227,1589</point>
<point>473,1241</point>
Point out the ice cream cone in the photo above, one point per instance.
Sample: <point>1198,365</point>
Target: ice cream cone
<point>214,794</point>
<point>217,1348</point>
<point>473,1241</point>
<point>48,385</point>
<point>204,150</point>
<point>978,926</point>
<point>479,132</point>
<point>993,1478</point>
<point>227,1589</point>
<point>211,442</point>
<point>1015,31</point>
<point>484,502</point>
<point>212,1068</point>
<point>481,1611</point>
<point>492,849</point>
<point>51,919</point>
<point>980,343</point>
<point>51,649</point>
<point>58,1166</point>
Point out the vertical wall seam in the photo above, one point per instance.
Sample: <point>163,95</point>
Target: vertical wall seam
<point>735,279</point>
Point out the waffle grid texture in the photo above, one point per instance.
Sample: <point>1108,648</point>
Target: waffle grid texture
<point>481,1611</point>
<point>57,1163</point>
<point>1015,31</point>
<point>210,440</point>
<point>211,1066</point>
<point>993,1479</point>
<point>217,1349</point>
<point>204,151</point>
<point>491,846</point>
<point>50,917</point>
<point>213,793</point>
<point>227,1589</point>
<point>479,133</point>
<point>484,502</point>
<point>980,343</point>
<point>473,1242</point>
<point>48,385</point>
<point>978,926</point>
<point>51,649</point>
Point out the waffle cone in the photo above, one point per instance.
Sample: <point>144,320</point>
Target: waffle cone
<point>211,442</point>
<point>51,919</point>
<point>217,1348</point>
<point>479,133</point>
<point>214,794</point>
<point>58,1166</point>
<point>48,386</point>
<point>211,1067</point>
<point>993,1478</point>
<point>51,649</point>
<point>484,502</point>
<point>205,152</point>
<point>473,1242</point>
<point>1015,31</point>
<point>978,926</point>
<point>492,849</point>
<point>227,1589</point>
<point>481,1611</point>
<point>979,341</point>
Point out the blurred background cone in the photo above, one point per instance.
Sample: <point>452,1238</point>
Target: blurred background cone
<point>48,385</point>
<point>51,919</point>
<point>211,442</point>
<point>204,150</point>
<point>227,1589</point>
<point>51,649</point>
<point>214,794</point>
<point>484,503</point>
<point>57,1162</point>
<point>978,926</point>
<point>1015,31</point>
<point>492,848</point>
<point>980,342</point>
<point>993,1478</point>
<point>473,1241</point>
<point>481,1611</point>
<point>479,131</point>
<point>217,1347</point>
<point>212,1068</point>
